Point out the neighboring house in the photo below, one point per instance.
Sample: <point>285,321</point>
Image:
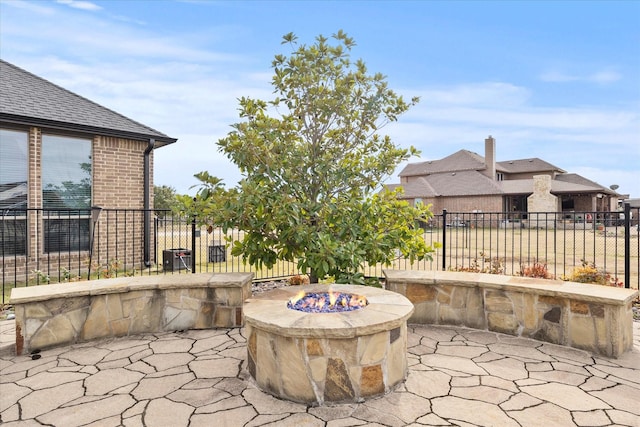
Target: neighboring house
<point>63,154</point>
<point>469,183</point>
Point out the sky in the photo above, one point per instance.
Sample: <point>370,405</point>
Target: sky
<point>549,79</point>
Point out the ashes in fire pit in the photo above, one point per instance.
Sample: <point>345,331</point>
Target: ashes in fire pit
<point>326,302</point>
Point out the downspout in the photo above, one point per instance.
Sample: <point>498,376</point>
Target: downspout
<point>147,201</point>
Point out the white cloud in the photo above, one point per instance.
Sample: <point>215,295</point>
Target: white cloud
<point>82,5</point>
<point>600,77</point>
<point>485,94</point>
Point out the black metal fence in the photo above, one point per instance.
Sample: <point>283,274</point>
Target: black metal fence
<point>39,247</point>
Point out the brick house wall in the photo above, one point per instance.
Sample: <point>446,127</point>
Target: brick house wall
<point>489,203</point>
<point>117,183</point>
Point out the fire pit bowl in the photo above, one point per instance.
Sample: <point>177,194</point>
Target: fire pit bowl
<point>319,358</point>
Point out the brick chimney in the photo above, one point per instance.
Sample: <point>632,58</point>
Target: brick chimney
<point>490,157</point>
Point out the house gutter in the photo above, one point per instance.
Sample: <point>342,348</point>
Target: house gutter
<point>147,201</point>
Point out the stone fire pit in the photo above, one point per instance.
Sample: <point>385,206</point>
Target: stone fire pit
<point>322,358</point>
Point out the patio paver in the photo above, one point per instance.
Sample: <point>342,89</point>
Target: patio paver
<point>457,376</point>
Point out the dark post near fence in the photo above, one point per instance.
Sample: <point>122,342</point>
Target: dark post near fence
<point>95,216</point>
<point>627,245</point>
<point>193,243</point>
<point>444,239</point>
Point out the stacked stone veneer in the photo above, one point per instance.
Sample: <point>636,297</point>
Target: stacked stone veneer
<point>52,315</point>
<point>320,358</point>
<point>590,317</point>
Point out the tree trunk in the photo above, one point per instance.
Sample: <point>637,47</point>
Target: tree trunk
<point>312,277</point>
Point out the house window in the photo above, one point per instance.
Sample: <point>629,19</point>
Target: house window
<point>13,191</point>
<point>66,192</point>
<point>499,176</point>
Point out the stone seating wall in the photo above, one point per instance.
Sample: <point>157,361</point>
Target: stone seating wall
<point>595,318</point>
<point>67,313</point>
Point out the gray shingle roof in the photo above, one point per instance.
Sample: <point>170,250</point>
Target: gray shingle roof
<point>468,160</point>
<point>458,161</point>
<point>525,186</point>
<point>28,99</point>
<point>461,183</point>
<point>526,165</point>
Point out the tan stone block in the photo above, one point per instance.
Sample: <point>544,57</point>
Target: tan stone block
<point>498,302</point>
<point>235,297</point>
<point>549,332</point>
<point>36,311</point>
<point>459,296</point>
<point>448,315</point>
<point>149,313</point>
<point>516,299</point>
<point>96,325</point>
<point>175,320</point>
<point>371,381</point>
<point>65,305</point>
<point>318,368</point>
<point>135,302</point>
<point>579,307</point>
<point>606,340</point>
<point>582,332</point>
<point>530,314</point>
<point>120,327</point>
<point>204,319</point>
<point>77,318</point>
<point>189,303</point>
<point>597,310</point>
<point>502,322</point>
<point>221,296</point>
<point>114,306</point>
<point>293,370</point>
<point>239,316</point>
<point>173,296</point>
<point>474,311</point>
<point>345,349</point>
<point>372,348</point>
<point>338,386</point>
<point>549,300</point>
<point>400,288</point>
<point>425,313</point>
<point>313,347</point>
<point>396,362</point>
<point>223,317</point>
<point>56,331</point>
<point>267,370</point>
<point>252,341</point>
<point>199,294</point>
<point>32,325</point>
<point>444,294</point>
<point>417,293</point>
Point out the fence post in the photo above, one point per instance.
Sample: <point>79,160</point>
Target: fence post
<point>193,243</point>
<point>627,245</point>
<point>444,239</point>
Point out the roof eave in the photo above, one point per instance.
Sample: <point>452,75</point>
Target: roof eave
<point>161,140</point>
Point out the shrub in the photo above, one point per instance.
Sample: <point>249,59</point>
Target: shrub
<point>537,270</point>
<point>495,266</point>
<point>298,279</point>
<point>589,273</point>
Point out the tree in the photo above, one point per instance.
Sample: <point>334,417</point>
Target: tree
<point>312,160</point>
<point>164,198</point>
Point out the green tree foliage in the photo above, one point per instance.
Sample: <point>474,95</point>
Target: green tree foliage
<point>164,198</point>
<point>312,160</point>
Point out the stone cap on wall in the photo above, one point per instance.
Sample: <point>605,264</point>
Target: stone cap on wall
<point>126,284</point>
<point>585,291</point>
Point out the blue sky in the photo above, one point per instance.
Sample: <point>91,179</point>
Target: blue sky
<point>554,80</point>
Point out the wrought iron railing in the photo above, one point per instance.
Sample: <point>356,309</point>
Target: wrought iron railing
<point>45,246</point>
